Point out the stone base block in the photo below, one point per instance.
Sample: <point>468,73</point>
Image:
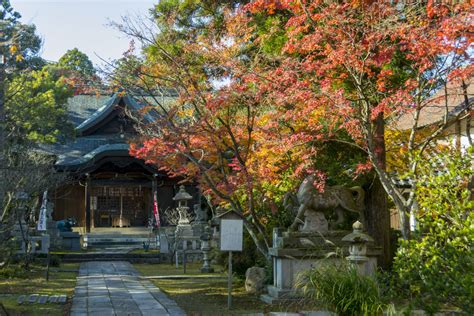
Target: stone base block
<point>71,241</point>
<point>207,270</point>
<point>277,301</point>
<point>278,293</point>
<point>277,296</point>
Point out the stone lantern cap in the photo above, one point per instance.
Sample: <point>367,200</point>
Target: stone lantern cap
<point>182,195</point>
<point>357,236</point>
<point>21,196</point>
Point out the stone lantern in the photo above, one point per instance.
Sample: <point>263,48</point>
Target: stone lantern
<point>183,233</point>
<point>358,248</point>
<point>22,198</point>
<point>205,248</point>
<point>22,208</point>
<point>182,197</point>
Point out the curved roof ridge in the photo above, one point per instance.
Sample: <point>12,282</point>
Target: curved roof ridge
<point>100,114</point>
<point>94,153</point>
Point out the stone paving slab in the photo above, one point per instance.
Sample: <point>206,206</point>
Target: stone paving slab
<point>115,288</point>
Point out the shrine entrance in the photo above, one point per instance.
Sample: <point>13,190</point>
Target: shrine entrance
<point>120,206</point>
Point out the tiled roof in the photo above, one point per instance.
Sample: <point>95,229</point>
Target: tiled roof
<point>81,107</point>
<point>435,108</point>
<point>83,159</point>
<point>76,149</point>
<point>88,110</point>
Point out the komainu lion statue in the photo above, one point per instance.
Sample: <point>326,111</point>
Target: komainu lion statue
<point>314,208</point>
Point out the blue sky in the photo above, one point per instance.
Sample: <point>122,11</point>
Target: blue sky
<point>65,24</point>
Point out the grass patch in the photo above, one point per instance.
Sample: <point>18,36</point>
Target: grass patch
<point>66,252</point>
<point>61,281</point>
<point>143,251</point>
<point>164,269</point>
<point>200,296</point>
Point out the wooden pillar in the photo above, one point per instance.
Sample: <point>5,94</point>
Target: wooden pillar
<point>88,203</point>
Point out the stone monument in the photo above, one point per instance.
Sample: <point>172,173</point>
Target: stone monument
<point>51,226</point>
<point>69,240</point>
<point>315,232</point>
<point>186,241</point>
<point>200,219</point>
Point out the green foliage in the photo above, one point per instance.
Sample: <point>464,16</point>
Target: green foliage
<point>8,249</point>
<point>77,61</point>
<point>272,33</point>
<point>55,261</point>
<point>12,272</point>
<point>436,266</point>
<point>36,108</point>
<point>126,71</point>
<point>192,15</point>
<point>19,43</point>
<point>340,288</point>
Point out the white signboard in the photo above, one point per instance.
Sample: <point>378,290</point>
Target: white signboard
<point>42,215</point>
<point>231,234</point>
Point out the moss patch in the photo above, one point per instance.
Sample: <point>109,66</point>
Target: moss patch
<point>198,296</point>
<point>61,281</point>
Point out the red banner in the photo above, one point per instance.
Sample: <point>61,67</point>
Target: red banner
<point>156,212</point>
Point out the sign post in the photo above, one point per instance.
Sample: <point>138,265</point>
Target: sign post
<point>229,282</point>
<point>231,239</point>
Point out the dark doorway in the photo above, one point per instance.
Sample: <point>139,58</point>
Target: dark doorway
<point>120,206</point>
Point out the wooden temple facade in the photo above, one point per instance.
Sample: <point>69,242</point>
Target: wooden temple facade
<point>105,186</point>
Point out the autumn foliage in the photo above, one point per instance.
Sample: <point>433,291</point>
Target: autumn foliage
<point>267,85</point>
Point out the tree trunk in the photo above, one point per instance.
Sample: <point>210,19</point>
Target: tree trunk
<point>378,221</point>
<point>2,132</point>
<point>377,213</point>
<point>261,246</point>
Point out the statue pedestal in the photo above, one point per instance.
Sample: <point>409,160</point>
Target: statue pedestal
<point>295,252</point>
<point>53,231</point>
<point>71,241</point>
<point>187,244</point>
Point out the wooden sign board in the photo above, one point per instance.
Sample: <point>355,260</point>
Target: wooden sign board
<point>231,237</point>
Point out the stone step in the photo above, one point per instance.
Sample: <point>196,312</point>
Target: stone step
<point>111,239</point>
<point>116,240</point>
<point>110,256</point>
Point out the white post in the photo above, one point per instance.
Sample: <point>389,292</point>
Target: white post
<point>229,282</point>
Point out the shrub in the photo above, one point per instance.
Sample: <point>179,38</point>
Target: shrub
<point>436,266</point>
<point>339,287</point>
<point>12,272</point>
<point>54,261</point>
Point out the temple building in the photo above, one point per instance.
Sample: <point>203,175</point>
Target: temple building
<point>105,186</point>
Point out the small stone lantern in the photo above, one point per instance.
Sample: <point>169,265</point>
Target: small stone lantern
<point>182,197</point>
<point>358,248</point>
<point>22,198</point>
<point>205,248</point>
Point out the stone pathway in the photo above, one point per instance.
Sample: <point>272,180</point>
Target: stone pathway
<point>114,288</point>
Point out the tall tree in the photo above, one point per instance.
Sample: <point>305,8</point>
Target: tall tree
<point>19,46</point>
<point>261,92</point>
<point>79,71</point>
<point>77,61</point>
<point>364,63</point>
<point>209,134</point>
<point>36,108</point>
<point>33,112</point>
